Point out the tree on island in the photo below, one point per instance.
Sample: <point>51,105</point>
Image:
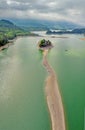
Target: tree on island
<point>44,43</point>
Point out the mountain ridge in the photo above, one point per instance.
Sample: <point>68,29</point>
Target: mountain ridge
<point>46,24</point>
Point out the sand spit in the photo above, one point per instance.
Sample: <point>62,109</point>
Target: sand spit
<point>53,97</point>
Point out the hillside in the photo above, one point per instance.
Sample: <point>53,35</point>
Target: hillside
<point>8,28</point>
<point>8,31</point>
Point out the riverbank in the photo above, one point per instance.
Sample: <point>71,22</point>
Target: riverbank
<point>53,96</point>
<point>10,42</point>
<point>6,46</point>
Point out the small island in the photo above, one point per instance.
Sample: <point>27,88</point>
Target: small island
<point>44,44</point>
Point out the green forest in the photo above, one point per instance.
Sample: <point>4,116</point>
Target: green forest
<point>9,31</point>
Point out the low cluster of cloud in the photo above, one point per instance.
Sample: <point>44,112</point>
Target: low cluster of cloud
<point>44,9</point>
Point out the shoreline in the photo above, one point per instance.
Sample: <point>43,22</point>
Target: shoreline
<point>4,47</point>
<point>12,41</point>
<point>7,44</point>
<point>53,97</point>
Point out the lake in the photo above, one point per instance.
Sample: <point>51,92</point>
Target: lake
<point>22,78</point>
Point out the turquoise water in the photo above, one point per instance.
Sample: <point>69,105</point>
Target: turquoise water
<point>22,99</point>
<point>68,60</point>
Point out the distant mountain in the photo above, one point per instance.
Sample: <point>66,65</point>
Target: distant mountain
<point>79,30</point>
<point>74,31</point>
<point>7,22</point>
<point>45,24</point>
<point>8,25</point>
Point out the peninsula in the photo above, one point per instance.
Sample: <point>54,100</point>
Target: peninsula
<point>53,96</point>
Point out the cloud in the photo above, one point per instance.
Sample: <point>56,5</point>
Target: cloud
<point>44,9</point>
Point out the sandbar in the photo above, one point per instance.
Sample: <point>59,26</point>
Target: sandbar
<point>53,96</point>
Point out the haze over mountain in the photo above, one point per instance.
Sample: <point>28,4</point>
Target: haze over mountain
<point>33,24</point>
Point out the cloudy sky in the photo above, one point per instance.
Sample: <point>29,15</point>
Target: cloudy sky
<point>72,10</point>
